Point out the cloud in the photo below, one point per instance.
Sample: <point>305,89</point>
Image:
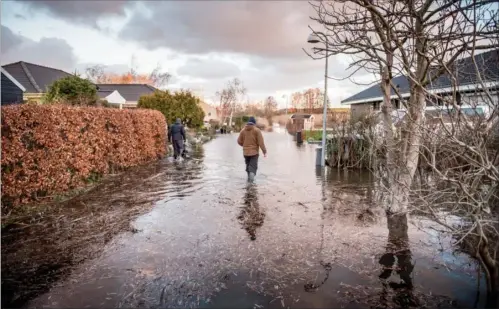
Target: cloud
<point>264,38</point>
<point>263,76</point>
<point>209,68</point>
<point>114,68</point>
<point>51,52</point>
<point>83,12</point>
<point>20,16</point>
<point>264,28</point>
<point>258,41</point>
<point>9,40</point>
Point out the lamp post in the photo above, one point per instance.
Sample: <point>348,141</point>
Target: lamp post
<point>314,38</point>
<point>287,101</point>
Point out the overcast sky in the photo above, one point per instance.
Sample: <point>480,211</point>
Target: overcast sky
<point>202,44</point>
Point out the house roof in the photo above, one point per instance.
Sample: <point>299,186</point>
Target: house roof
<point>35,78</point>
<point>104,93</point>
<point>301,116</point>
<point>131,92</point>
<point>487,63</point>
<point>13,80</point>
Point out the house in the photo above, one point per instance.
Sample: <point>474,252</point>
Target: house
<point>112,97</point>
<point>12,90</point>
<point>130,92</point>
<point>469,90</point>
<point>302,121</point>
<point>36,79</point>
<point>210,113</point>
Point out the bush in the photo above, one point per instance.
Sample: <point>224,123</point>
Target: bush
<point>72,90</point>
<point>214,124</point>
<point>50,149</point>
<point>181,104</point>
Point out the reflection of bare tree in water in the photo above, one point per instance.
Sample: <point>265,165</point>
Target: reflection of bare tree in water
<point>398,258</point>
<point>312,286</point>
<point>251,216</point>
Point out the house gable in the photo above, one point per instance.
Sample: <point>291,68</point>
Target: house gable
<point>12,79</point>
<point>112,97</point>
<point>12,90</point>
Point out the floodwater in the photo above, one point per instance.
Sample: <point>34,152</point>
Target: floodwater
<point>299,238</point>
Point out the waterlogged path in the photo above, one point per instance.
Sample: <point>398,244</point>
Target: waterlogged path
<point>296,238</point>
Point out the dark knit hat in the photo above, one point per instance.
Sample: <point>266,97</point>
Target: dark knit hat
<point>251,121</point>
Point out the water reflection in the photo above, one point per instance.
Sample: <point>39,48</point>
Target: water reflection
<point>194,245</point>
<point>251,216</point>
<point>398,258</point>
<point>77,228</point>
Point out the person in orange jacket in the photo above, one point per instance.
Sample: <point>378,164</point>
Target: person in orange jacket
<point>251,139</point>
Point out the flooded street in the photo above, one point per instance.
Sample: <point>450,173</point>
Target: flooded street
<point>297,238</point>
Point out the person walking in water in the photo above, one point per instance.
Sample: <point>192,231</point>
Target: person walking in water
<point>176,136</point>
<point>251,139</point>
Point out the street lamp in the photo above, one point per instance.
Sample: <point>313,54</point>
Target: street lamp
<point>287,101</point>
<point>314,38</point>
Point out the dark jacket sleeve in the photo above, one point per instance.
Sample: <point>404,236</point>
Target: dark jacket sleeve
<point>170,133</point>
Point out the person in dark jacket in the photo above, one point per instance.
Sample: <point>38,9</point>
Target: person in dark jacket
<point>176,136</point>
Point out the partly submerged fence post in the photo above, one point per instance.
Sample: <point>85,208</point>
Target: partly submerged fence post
<point>318,156</point>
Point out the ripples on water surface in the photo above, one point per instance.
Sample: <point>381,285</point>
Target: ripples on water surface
<point>290,240</point>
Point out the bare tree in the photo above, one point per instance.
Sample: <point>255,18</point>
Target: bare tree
<point>270,107</point>
<point>297,100</point>
<point>230,99</point>
<point>157,77</point>
<point>416,38</point>
<point>426,41</point>
<point>460,153</point>
<point>308,99</point>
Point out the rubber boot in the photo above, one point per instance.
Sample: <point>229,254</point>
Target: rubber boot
<point>251,177</point>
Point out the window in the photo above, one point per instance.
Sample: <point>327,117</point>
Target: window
<point>209,113</point>
<point>458,98</point>
<point>396,104</point>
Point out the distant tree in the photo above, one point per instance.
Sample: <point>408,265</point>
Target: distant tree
<point>308,99</point>
<point>72,90</point>
<point>181,104</point>
<point>230,99</point>
<point>255,109</point>
<point>156,77</point>
<point>270,107</point>
<point>297,100</point>
<point>313,98</point>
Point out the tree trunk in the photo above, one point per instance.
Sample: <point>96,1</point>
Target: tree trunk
<point>400,178</point>
<point>390,168</point>
<point>230,119</point>
<point>405,170</point>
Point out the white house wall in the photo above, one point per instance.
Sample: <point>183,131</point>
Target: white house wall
<point>360,110</point>
<point>472,99</point>
<point>480,99</point>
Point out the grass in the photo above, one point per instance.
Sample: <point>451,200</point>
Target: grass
<point>316,135</point>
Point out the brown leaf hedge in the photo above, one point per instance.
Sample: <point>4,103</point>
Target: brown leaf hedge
<point>50,149</point>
